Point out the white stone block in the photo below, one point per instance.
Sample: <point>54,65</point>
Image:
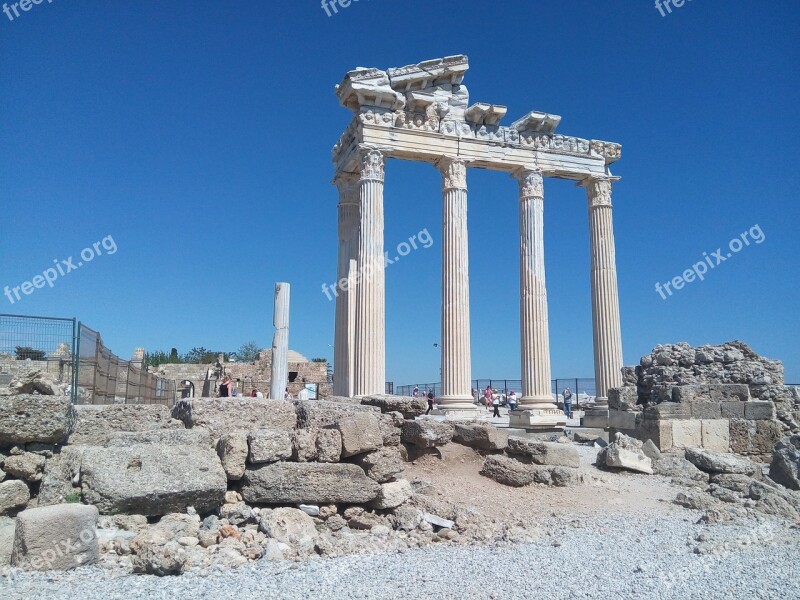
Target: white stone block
<point>687,433</point>
<point>716,435</point>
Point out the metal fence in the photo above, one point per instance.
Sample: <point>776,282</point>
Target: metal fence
<point>75,357</point>
<point>578,386</point>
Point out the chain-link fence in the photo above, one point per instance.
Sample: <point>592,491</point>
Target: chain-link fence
<point>75,358</point>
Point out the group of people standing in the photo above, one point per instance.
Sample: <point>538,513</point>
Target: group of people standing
<point>228,389</point>
<point>430,397</point>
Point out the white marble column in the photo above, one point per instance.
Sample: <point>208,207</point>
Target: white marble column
<point>370,334</point>
<point>534,327</point>
<point>605,296</point>
<point>456,394</point>
<point>345,286</point>
<point>280,343</point>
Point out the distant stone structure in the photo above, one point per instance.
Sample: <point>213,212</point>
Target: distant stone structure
<point>722,398</point>
<point>422,113</point>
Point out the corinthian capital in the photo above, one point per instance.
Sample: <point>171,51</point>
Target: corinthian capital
<point>598,190</point>
<point>531,183</point>
<point>371,163</point>
<point>347,184</point>
<point>454,172</point>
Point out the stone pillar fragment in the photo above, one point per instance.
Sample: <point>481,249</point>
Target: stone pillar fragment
<point>456,393</point>
<point>605,296</point>
<point>370,333</point>
<point>280,343</point>
<point>344,289</point>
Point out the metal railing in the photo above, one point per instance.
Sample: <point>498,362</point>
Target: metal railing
<point>578,386</point>
<point>75,357</point>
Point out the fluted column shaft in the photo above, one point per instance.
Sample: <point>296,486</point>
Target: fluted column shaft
<point>456,391</point>
<point>370,335</point>
<point>534,325</point>
<point>605,295</point>
<point>345,286</point>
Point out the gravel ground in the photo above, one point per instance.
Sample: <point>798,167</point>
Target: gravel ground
<point>580,557</point>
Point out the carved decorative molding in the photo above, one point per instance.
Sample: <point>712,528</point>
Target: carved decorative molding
<point>531,183</point>
<point>348,187</point>
<point>454,173</point>
<point>598,189</point>
<point>372,164</point>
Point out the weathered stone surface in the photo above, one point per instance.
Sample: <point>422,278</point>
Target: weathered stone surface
<point>61,476</point>
<point>408,406</point>
<point>391,428</point>
<point>162,437</point>
<point>623,419</point>
<point>427,433</point>
<point>25,466</point>
<point>623,398</point>
<point>308,483</point>
<point>226,415</point>
<point>96,424</point>
<point>150,480</point>
<point>677,467</point>
<point>360,433</point>
<point>756,438</point>
<point>393,494</point>
<point>56,537</point>
<point>775,501</point>
<point>718,462</point>
<point>732,410</point>
<point>484,437</point>
<point>668,410</point>
<point>232,450</point>
<point>14,495</point>
<point>687,434</point>
<point>651,451</point>
<point>382,465</point>
<point>329,445</point>
<point>557,476</point>
<point>267,446</point>
<point>34,382</point>
<point>716,435</point>
<point>289,526</point>
<point>660,432</point>
<point>544,453</point>
<point>714,392</point>
<point>755,410</point>
<point>706,410</point>
<point>304,445</point>
<point>7,527</point>
<point>326,413</point>
<point>621,458</point>
<point>507,471</point>
<point>35,419</point>
<point>785,466</point>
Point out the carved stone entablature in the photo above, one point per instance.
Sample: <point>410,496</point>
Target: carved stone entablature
<point>482,113</point>
<point>426,74</point>
<point>371,162</point>
<point>608,150</point>
<point>368,87</point>
<point>536,121</point>
<point>531,183</point>
<point>454,172</point>
<point>377,116</point>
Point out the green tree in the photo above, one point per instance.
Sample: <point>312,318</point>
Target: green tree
<point>247,352</point>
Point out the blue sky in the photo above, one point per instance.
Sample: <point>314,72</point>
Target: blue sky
<point>198,135</point>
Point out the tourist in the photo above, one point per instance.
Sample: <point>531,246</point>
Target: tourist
<point>415,393</point>
<point>496,405</point>
<point>225,387</point>
<point>487,397</point>
<point>430,402</point>
<point>259,394</point>
<point>568,402</point>
<point>286,394</point>
<point>512,400</point>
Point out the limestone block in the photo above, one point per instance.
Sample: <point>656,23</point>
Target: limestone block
<point>391,428</point>
<point>56,537</point>
<point>484,437</point>
<point>754,437</point>
<point>660,432</point>
<point>427,433</point>
<point>325,413</point>
<point>732,409</point>
<point>29,419</point>
<point>308,483</point>
<point>622,458</point>
<point>706,410</point>
<point>232,450</point>
<point>755,410</point>
<point>161,437</point>
<point>382,465</point>
<point>716,435</point>
<point>622,398</point>
<point>507,471</point>
<point>668,410</point>
<point>393,494</point>
<point>226,415</point>
<point>14,495</point>
<point>785,465</point>
<point>96,424</point>
<point>621,419</point>
<point>150,480</point>
<point>329,445</point>
<point>7,528</point>
<point>687,433</point>
<point>60,477</point>
<point>360,433</point>
<point>25,466</point>
<point>721,462</point>
<point>408,406</point>
<point>544,453</point>
<point>304,445</point>
<point>289,526</point>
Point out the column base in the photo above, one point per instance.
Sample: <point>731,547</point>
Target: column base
<point>546,418</point>
<point>596,416</point>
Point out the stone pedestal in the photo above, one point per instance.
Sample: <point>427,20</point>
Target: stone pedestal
<point>595,417</point>
<point>456,395</point>
<point>370,334</point>
<point>538,419</point>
